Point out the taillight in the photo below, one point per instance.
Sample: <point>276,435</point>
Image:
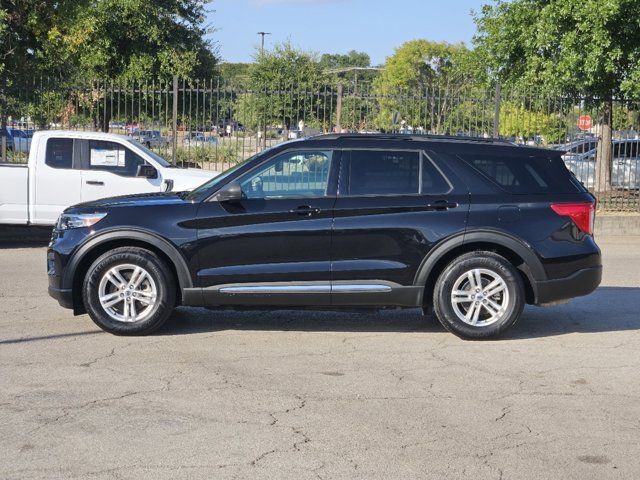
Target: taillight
<point>582,214</point>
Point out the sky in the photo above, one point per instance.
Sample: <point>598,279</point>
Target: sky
<point>376,27</point>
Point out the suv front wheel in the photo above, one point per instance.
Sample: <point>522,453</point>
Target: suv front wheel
<point>479,295</point>
<point>129,291</point>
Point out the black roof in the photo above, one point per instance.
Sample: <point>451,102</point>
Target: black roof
<point>457,144</point>
<point>415,138</point>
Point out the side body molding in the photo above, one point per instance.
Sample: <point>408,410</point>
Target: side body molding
<point>184,277</point>
<point>534,269</point>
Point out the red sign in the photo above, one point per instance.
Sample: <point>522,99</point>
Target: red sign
<point>585,122</point>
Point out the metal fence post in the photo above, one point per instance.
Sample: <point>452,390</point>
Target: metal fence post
<point>4,120</point>
<point>174,120</point>
<point>496,113</point>
<point>339,109</point>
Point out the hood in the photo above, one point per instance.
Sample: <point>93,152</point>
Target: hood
<point>188,178</point>
<point>142,199</point>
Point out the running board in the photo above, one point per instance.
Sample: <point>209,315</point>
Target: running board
<point>308,294</point>
<point>326,288</point>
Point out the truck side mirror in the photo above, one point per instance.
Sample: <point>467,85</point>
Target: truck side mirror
<point>231,192</point>
<point>146,171</point>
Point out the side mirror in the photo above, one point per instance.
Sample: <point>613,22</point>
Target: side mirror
<point>231,192</point>
<point>146,171</point>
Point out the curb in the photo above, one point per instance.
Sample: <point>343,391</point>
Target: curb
<point>617,224</point>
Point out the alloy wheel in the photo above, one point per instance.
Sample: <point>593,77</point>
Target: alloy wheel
<point>480,297</point>
<point>128,293</point>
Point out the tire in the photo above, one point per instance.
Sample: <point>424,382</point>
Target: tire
<point>138,310</point>
<point>474,315</point>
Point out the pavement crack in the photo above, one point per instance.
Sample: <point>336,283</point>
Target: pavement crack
<point>505,412</point>
<point>261,457</point>
<point>66,411</point>
<point>297,431</point>
<point>95,360</point>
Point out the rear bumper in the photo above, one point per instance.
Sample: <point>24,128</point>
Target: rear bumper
<point>63,296</point>
<point>582,282</point>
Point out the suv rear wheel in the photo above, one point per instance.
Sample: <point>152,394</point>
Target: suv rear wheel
<point>129,291</point>
<point>479,295</point>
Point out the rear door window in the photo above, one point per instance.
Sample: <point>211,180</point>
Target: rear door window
<point>522,173</point>
<point>392,172</point>
<point>384,172</point>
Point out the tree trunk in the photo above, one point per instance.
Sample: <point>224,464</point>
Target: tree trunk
<point>604,153</point>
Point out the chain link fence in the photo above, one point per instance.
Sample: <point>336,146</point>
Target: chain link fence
<point>214,124</point>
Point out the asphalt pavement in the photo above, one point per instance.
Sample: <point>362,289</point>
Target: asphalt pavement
<point>320,395</point>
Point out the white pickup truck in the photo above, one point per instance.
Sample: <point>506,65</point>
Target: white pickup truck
<point>68,167</point>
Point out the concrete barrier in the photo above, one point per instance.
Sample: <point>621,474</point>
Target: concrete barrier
<point>621,224</point>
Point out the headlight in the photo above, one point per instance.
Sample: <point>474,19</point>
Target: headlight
<point>68,221</point>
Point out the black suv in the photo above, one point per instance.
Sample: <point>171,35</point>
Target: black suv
<point>472,228</point>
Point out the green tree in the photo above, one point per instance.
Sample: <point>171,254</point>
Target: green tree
<point>123,40</point>
<point>128,39</point>
<point>330,61</point>
<point>518,120</point>
<point>234,73</point>
<point>105,38</point>
<point>422,80</point>
<point>281,88</point>
<point>4,39</point>
<point>576,47</point>
<point>353,66</point>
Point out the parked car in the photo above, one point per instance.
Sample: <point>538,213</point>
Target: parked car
<point>152,138</point>
<point>295,133</point>
<point>625,164</point>
<point>578,147</point>
<point>474,228</point>
<point>19,140</point>
<point>199,139</point>
<point>69,167</point>
<point>132,128</point>
<point>226,128</point>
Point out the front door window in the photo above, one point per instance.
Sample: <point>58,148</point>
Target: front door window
<point>290,175</point>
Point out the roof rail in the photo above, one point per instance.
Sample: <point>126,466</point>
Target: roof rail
<point>407,137</point>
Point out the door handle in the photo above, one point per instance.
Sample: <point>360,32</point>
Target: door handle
<point>94,182</point>
<point>442,205</point>
<point>305,210</point>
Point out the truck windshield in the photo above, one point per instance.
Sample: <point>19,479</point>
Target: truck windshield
<point>161,161</point>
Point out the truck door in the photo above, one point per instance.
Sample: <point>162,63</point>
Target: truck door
<point>110,169</point>
<point>56,179</point>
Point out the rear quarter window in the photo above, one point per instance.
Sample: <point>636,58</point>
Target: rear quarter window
<point>524,174</point>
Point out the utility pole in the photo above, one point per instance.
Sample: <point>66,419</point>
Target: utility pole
<point>262,34</point>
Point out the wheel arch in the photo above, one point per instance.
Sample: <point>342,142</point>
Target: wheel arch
<point>514,250</point>
<point>88,252</point>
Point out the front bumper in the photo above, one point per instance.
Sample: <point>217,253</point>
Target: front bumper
<point>580,283</point>
<point>62,295</point>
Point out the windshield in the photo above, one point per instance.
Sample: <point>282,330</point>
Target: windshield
<point>160,160</point>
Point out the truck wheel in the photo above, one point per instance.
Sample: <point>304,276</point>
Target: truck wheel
<point>129,291</point>
<point>479,295</point>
